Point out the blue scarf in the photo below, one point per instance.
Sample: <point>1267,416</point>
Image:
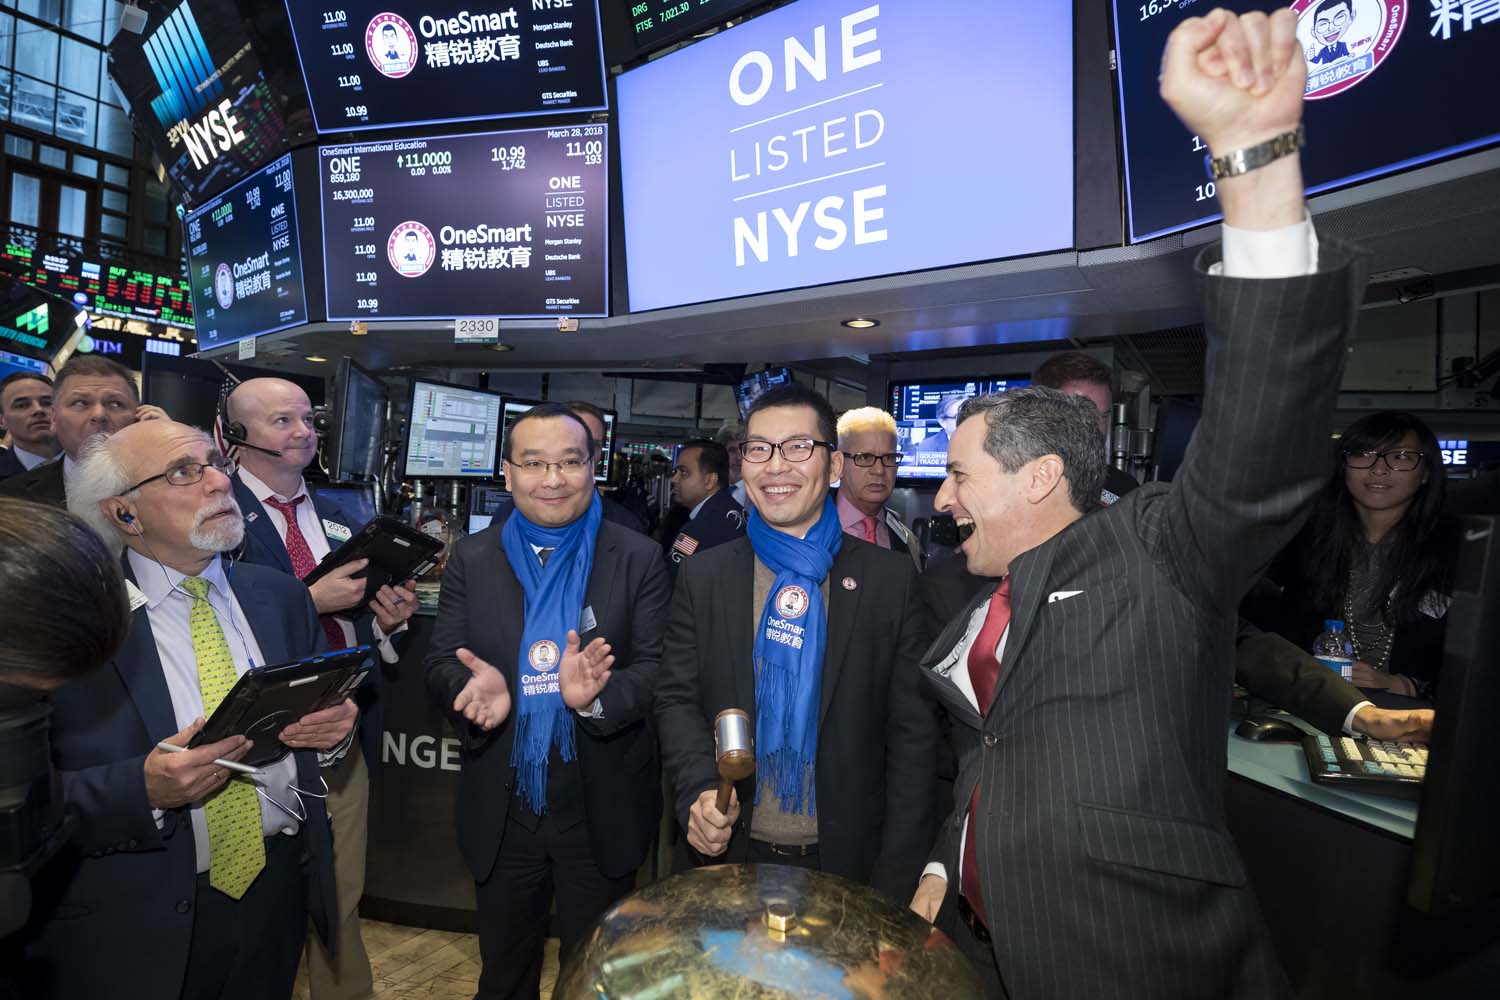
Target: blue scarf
<point>554,603</point>
<point>789,646</point>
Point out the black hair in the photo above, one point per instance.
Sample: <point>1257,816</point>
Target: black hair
<point>712,457</point>
<point>796,394</point>
<point>1420,556</point>
<point>15,377</point>
<point>540,411</point>
<point>65,609</point>
<point>1330,4</point>
<point>1073,366</point>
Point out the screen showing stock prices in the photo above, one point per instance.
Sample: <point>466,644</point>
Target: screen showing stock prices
<point>102,287</point>
<point>245,259</point>
<point>508,224</point>
<point>654,23</point>
<point>375,65</point>
<point>1390,85</point>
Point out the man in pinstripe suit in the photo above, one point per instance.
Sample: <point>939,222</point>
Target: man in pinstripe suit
<point>1087,853</point>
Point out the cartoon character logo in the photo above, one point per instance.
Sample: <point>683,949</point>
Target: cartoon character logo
<point>791,602</point>
<point>224,286</point>
<point>543,656</point>
<point>411,249</point>
<point>391,45</point>
<point>1345,40</point>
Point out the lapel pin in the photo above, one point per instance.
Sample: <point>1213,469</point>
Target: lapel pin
<point>251,517</point>
<point>850,583</point>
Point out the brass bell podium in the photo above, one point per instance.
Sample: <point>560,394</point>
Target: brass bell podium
<point>756,932</point>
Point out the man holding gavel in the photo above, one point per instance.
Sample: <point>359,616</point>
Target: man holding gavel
<point>815,635</point>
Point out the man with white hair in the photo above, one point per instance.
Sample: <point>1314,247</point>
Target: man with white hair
<point>867,437</point>
<point>182,878</point>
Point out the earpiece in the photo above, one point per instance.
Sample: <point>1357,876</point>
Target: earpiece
<point>125,517</point>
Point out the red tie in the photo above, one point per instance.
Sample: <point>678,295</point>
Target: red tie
<point>984,672</point>
<point>303,562</point>
<point>869,526</point>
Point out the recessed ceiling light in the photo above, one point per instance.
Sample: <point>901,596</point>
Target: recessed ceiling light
<point>860,323</point>
<point>314,357</point>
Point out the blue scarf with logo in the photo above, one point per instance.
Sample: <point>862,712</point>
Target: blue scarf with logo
<point>789,646</point>
<point>554,603</point>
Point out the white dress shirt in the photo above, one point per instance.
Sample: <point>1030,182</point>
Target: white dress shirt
<point>168,608</point>
<point>317,542</point>
<point>27,459</point>
<point>1289,252</point>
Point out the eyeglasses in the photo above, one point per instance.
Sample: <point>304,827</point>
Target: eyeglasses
<point>864,459</point>
<point>1337,20</point>
<point>798,449</point>
<point>1403,460</point>
<point>186,474</point>
<point>536,467</point>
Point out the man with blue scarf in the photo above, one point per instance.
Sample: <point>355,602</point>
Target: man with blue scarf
<point>545,652</point>
<point>817,635</point>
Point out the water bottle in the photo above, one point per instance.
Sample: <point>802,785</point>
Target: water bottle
<point>1331,648</point>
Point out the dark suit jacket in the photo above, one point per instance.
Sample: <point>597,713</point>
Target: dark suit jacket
<point>115,907</point>
<point>481,609</point>
<point>1105,864</point>
<point>44,484</point>
<point>10,465</point>
<point>263,547</point>
<point>1275,669</point>
<point>721,520</point>
<point>877,737</point>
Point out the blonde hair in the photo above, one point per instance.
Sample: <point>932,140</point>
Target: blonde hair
<point>866,418</point>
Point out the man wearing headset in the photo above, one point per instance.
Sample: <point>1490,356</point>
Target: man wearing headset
<point>183,878</point>
<point>288,529</point>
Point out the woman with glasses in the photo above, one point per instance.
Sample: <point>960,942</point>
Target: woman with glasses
<point>1378,553</point>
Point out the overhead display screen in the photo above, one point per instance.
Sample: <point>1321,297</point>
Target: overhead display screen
<point>831,140</point>
<point>655,23</point>
<point>102,287</point>
<point>375,64</point>
<point>245,259</point>
<point>927,413</point>
<point>508,224</point>
<point>1391,85</point>
<point>206,87</point>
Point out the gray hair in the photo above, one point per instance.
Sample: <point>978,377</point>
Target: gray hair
<point>97,476</point>
<point>1024,424</point>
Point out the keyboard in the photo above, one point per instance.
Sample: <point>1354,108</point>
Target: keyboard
<point>1379,766</point>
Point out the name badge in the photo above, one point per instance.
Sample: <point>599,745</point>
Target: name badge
<point>138,600</point>
<point>336,532</point>
<point>586,621</point>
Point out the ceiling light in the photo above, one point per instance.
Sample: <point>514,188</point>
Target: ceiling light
<point>502,348</point>
<point>860,323</point>
<point>314,357</point>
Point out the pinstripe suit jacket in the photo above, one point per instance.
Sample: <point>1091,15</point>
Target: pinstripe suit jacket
<point>1104,861</point>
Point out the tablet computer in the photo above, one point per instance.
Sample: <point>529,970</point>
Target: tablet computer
<point>397,553</point>
<point>265,700</point>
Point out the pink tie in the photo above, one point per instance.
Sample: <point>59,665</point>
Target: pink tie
<point>869,525</point>
<point>303,562</point>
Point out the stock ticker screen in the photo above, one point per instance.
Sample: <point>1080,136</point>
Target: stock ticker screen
<point>654,23</point>
<point>1391,85</point>
<point>101,287</point>
<point>374,65</point>
<point>507,224</point>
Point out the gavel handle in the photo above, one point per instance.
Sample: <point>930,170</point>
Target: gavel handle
<point>726,787</point>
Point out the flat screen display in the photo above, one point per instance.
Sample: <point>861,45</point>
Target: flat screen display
<point>485,504</point>
<point>654,23</point>
<point>12,364</point>
<point>378,65</point>
<point>927,413</point>
<point>357,500</point>
<point>453,431</point>
<point>1390,85</point>
<point>245,259</point>
<point>831,140</point>
<point>515,407</point>
<point>752,387</point>
<point>362,403</point>
<point>100,286</point>
<point>209,87</point>
<point>508,224</point>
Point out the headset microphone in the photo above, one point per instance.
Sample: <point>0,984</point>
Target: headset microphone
<point>238,441</point>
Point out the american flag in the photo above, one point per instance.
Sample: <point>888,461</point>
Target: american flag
<point>230,451</point>
<point>686,544</point>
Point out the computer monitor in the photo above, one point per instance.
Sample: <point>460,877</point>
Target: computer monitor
<point>356,444</point>
<point>1176,420</point>
<point>927,412</point>
<point>515,406</point>
<point>752,387</point>
<point>453,431</point>
<point>357,499</point>
<point>1454,862</point>
<point>485,504</point>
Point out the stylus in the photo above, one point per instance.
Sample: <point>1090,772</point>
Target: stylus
<point>233,765</point>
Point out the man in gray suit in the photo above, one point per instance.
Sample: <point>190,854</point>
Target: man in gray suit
<point>1087,853</point>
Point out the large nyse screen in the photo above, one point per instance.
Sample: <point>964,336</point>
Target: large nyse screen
<point>509,224</point>
<point>1390,85</point>
<point>838,139</point>
<point>373,65</point>
<point>654,23</point>
<point>245,259</point>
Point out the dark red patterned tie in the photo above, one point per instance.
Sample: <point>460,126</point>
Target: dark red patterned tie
<point>984,672</point>
<point>303,562</point>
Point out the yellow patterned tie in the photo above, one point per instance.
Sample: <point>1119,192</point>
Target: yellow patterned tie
<point>236,845</point>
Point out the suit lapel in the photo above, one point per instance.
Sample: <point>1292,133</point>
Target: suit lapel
<point>1030,573</point>
<point>600,593</point>
<point>843,609</point>
<point>267,624</point>
<point>510,606</point>
<point>737,620</point>
<point>952,635</point>
<point>258,525</point>
<point>139,667</point>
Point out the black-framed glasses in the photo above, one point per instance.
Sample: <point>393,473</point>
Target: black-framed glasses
<point>1400,460</point>
<point>185,474</point>
<point>865,459</point>
<point>797,449</point>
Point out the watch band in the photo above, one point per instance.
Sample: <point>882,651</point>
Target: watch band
<point>1242,161</point>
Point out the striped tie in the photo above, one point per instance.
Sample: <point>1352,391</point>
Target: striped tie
<point>236,845</point>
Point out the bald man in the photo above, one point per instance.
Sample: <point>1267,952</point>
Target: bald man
<point>181,879</point>
<point>287,528</point>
